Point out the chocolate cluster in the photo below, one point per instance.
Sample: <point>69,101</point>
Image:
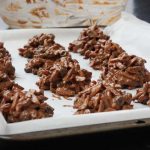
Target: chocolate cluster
<point>90,40</point>
<point>19,105</point>
<point>99,97</point>
<point>126,71</point>
<point>36,45</point>
<point>15,103</point>
<point>119,68</point>
<point>57,70</point>
<point>65,78</point>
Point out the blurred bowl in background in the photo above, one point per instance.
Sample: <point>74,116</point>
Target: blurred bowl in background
<point>60,13</point>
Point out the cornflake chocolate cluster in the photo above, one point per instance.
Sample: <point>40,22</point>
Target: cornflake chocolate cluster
<point>126,71</point>
<point>65,77</point>
<point>57,70</point>
<point>36,45</point>
<point>18,105</point>
<point>45,59</point>
<point>99,97</point>
<point>15,103</point>
<point>119,68</point>
<point>90,40</point>
<point>143,94</point>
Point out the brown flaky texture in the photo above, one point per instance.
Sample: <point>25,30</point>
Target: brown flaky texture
<point>7,67</point>
<point>119,69</point>
<point>5,62</point>
<point>90,40</point>
<point>3,51</point>
<point>58,71</point>
<point>109,51</point>
<point>143,94</point>
<point>126,71</point>
<point>95,45</point>
<point>15,103</point>
<point>5,82</point>
<point>43,52</point>
<point>37,44</point>
<point>45,59</point>
<point>65,77</point>
<point>18,105</point>
<point>101,98</point>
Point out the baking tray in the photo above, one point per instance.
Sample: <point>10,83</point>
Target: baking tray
<point>64,122</point>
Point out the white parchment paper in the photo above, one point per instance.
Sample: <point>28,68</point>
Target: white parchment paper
<point>132,34</point>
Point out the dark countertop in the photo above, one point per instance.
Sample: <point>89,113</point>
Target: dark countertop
<point>121,139</point>
<point>140,8</point>
<point>130,139</point>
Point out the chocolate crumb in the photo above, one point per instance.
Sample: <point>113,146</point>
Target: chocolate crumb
<point>67,105</point>
<point>143,94</point>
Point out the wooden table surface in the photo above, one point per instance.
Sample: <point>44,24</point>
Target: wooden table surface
<point>122,139</point>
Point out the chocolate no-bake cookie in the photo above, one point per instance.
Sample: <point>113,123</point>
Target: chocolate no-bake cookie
<point>119,68</point>
<point>95,45</point>
<point>45,60</point>
<point>90,40</point>
<point>15,103</point>
<point>18,105</point>
<point>126,71</point>
<point>65,77</point>
<point>59,72</point>
<point>37,44</point>
<point>99,97</point>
